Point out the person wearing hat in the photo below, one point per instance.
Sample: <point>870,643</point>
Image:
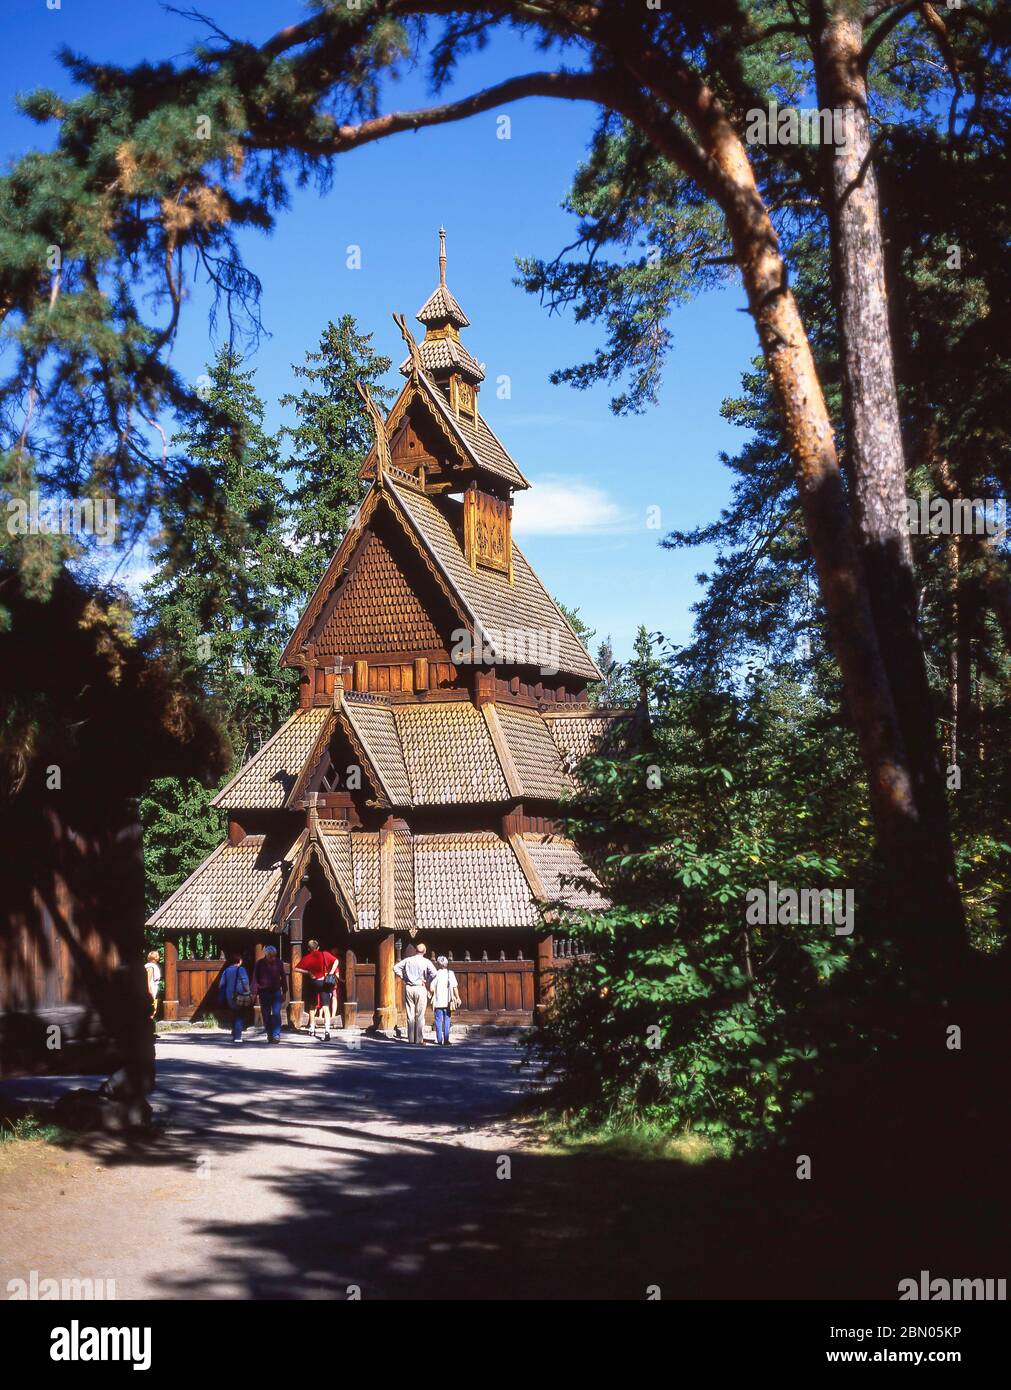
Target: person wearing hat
<point>445,998</point>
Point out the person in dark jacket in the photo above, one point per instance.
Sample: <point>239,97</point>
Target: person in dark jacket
<point>271,988</point>
<point>233,989</point>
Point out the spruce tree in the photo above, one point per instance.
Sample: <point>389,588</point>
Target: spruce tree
<point>215,606</point>
<point>329,445</point>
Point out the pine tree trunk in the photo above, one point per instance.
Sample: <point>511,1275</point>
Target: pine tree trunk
<point>876,468</point>
<point>915,850</point>
<point>893,723</point>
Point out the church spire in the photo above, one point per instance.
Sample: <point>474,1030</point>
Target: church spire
<point>444,356</point>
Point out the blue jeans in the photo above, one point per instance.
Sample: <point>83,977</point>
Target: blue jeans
<point>270,1008</point>
<point>442,1025</point>
<point>237,1025</point>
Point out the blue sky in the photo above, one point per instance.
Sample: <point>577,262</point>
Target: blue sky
<point>594,477</point>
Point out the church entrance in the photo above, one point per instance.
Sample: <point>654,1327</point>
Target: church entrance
<point>319,919</point>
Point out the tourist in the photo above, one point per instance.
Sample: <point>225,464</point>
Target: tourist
<point>321,968</point>
<point>233,988</point>
<point>153,971</point>
<point>270,987</point>
<point>445,998</point>
<point>417,974</point>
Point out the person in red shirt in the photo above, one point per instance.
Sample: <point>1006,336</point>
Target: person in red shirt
<point>321,972</point>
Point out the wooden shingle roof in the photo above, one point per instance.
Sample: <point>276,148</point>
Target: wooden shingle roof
<point>478,441</point>
<point>533,757</point>
<point>265,781</point>
<point>366,868</point>
<point>333,842</point>
<point>499,752</point>
<point>441,306</point>
<point>470,880</point>
<point>234,889</point>
<point>577,735</point>
<point>441,353</point>
<point>449,754</point>
<point>373,723</point>
<point>557,862</point>
<point>495,605</point>
<point>445,881</point>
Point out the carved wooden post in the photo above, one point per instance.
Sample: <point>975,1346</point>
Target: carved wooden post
<point>170,1002</point>
<point>295,982</point>
<point>386,995</point>
<point>545,975</point>
<point>349,1009</point>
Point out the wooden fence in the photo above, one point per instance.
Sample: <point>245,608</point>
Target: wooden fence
<point>498,991</point>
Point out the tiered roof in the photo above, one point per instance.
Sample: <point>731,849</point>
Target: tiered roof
<point>436,753</point>
<point>488,603</point>
<point>440,881</point>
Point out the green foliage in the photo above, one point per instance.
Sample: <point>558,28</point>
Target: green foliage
<point>215,606</point>
<point>218,595</point>
<point>686,1015</point>
<point>329,444</point>
<point>181,828</point>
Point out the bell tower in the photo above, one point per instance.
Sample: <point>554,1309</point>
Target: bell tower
<point>447,362</point>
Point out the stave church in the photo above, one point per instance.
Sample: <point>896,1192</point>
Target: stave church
<point>415,793</point>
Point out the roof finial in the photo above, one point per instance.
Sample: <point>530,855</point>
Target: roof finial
<point>417,362</point>
<point>442,255</point>
<point>382,438</point>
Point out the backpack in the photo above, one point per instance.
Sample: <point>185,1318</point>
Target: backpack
<point>241,998</point>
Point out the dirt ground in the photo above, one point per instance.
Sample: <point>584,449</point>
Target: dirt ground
<point>318,1171</point>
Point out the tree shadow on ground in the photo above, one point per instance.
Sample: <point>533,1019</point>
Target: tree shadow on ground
<point>368,1159</point>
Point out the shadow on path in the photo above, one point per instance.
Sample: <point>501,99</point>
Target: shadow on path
<point>399,1172</point>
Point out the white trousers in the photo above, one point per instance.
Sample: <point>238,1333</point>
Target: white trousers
<point>415,1003</point>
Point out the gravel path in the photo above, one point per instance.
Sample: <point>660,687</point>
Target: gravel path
<point>319,1171</point>
<point>307,1170</point>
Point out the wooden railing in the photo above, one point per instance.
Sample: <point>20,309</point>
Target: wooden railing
<point>501,991</point>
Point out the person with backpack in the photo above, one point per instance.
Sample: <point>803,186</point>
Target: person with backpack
<point>233,989</point>
<point>320,966</point>
<point>271,988</point>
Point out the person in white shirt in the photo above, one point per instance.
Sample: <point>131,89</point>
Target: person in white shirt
<point>445,998</point>
<point>153,971</point>
<point>417,973</point>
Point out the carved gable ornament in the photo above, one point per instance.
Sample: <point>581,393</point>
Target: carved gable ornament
<point>487,530</point>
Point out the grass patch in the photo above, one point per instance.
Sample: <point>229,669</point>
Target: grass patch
<point>21,1128</point>
<point>561,1135</point>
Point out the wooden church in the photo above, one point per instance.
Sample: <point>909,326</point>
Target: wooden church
<point>415,792</point>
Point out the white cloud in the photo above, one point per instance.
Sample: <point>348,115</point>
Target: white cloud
<point>557,506</point>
